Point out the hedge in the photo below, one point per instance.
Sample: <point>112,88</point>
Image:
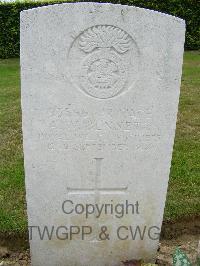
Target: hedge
<point>186,9</point>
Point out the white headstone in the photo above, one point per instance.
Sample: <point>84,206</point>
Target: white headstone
<point>100,89</point>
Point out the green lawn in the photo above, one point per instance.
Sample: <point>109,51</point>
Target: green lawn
<point>183,194</point>
<point>183,197</point>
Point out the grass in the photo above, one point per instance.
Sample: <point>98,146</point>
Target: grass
<point>183,197</point>
<point>12,215</point>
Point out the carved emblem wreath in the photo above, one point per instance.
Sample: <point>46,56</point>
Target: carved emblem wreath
<point>103,53</point>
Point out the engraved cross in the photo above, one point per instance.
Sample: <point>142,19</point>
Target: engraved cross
<point>97,190</point>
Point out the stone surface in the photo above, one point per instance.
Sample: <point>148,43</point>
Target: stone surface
<point>100,88</point>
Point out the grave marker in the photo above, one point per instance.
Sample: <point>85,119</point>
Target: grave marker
<point>100,88</point>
